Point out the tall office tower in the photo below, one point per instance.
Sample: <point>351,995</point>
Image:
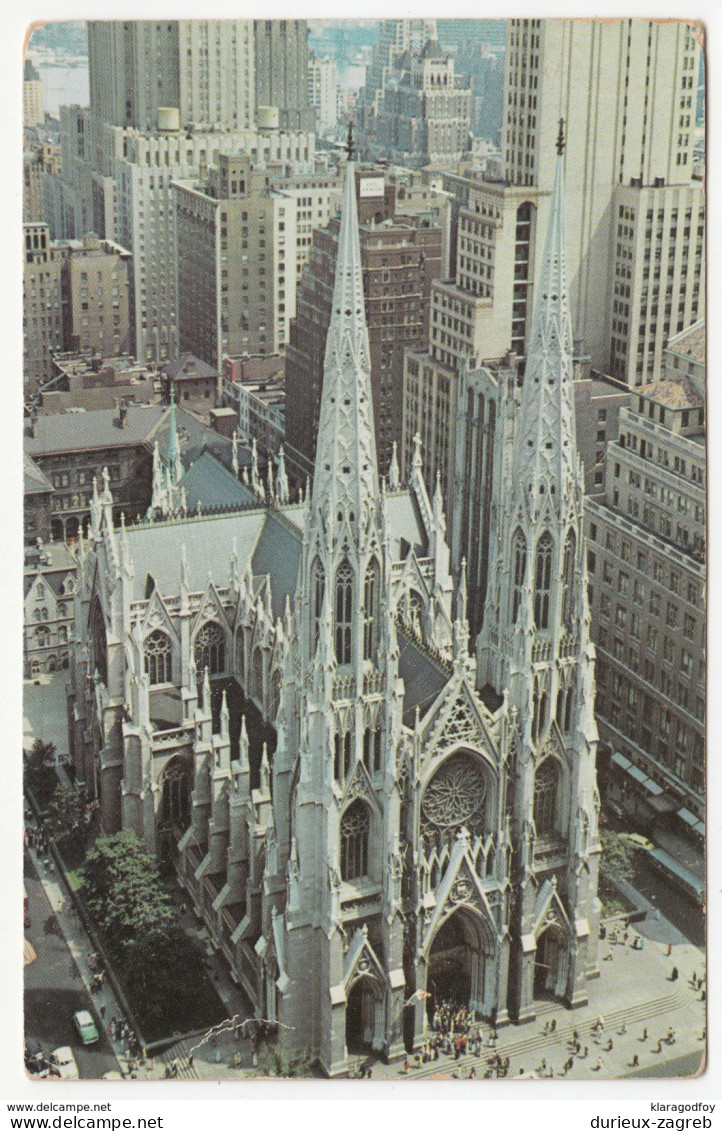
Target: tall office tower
<point>96,297</point>
<point>39,162</point>
<point>401,255</point>
<point>33,97</point>
<point>633,126</point>
<point>647,577</point>
<point>281,71</point>
<point>658,261</point>
<point>236,262</point>
<point>144,166</point>
<point>395,38</point>
<point>324,93</point>
<point>42,305</point>
<point>203,68</point>
<point>75,297</point>
<point>424,115</point>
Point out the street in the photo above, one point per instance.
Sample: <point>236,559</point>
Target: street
<point>54,989</point>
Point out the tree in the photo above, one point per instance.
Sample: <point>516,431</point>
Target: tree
<point>157,976</point>
<point>40,774</point>
<point>121,889</point>
<point>617,860</point>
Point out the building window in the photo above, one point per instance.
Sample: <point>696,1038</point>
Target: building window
<point>317,584</point>
<point>570,546</point>
<point>519,557</point>
<point>344,594</point>
<point>210,649</point>
<point>543,578</point>
<point>355,824</point>
<point>371,590</point>
<point>157,656</point>
<point>546,783</point>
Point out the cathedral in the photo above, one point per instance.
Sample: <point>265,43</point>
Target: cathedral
<point>369,816</point>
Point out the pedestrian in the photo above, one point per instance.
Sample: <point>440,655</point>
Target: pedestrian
<point>610,1045</point>
<point>644,1034</point>
<point>635,1061</point>
<point>659,1045</point>
<point>552,1027</point>
<point>586,1052</point>
<point>609,957</point>
<point>597,1067</point>
<point>674,975</point>
<point>102,1011</point>
<point>190,1059</point>
<point>622,1031</point>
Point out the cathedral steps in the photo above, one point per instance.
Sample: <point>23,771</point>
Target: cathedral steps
<point>541,1042</point>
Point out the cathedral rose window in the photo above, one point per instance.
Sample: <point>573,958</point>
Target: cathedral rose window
<point>454,798</point>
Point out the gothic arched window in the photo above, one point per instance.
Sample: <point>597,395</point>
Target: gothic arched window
<point>210,649</point>
<point>371,600</point>
<point>157,656</point>
<point>317,584</point>
<point>518,554</point>
<point>275,693</point>
<point>546,787</point>
<point>344,597</point>
<point>176,794</point>
<point>355,824</point>
<point>258,673</point>
<point>570,545</point>
<point>543,580</point>
<point>100,644</point>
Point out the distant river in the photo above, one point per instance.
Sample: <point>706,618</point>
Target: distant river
<point>64,86</point>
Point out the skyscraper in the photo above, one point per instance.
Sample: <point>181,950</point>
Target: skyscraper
<point>281,71</point>
<point>633,126</point>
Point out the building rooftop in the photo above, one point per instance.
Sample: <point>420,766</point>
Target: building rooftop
<point>189,366</point>
<point>680,393</point>
<point>691,342</point>
<point>35,482</point>
<point>212,485</point>
<point>88,431</point>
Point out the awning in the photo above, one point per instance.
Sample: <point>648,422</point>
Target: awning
<point>652,787</point>
<point>620,760</point>
<point>671,865</point>
<point>637,774</point>
<point>689,819</point>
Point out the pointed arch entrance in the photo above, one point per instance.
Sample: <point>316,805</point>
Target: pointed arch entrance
<point>174,812</point>
<point>364,1016</point>
<point>461,967</point>
<point>551,963</point>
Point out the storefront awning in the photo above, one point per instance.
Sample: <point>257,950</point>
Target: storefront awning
<point>621,761</point>
<point>693,822</point>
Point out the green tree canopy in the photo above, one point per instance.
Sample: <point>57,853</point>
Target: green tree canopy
<point>122,893</point>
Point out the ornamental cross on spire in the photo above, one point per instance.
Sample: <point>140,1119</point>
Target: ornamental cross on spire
<point>561,141</point>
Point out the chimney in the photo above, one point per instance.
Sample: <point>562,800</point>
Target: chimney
<point>122,413</point>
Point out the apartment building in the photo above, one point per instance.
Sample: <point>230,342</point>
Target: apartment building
<point>647,575</point>
<point>236,257</point>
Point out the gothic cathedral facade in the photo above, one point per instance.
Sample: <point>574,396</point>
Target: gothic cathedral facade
<point>368,815</point>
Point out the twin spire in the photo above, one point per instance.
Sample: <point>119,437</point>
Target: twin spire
<point>545,453</point>
<point>346,473</point>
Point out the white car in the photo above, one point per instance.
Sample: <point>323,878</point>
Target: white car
<point>64,1063</point>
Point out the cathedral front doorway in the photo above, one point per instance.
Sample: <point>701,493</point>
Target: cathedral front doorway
<point>550,967</point>
<point>364,1018</point>
<point>460,962</point>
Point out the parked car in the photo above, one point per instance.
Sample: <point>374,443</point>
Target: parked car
<point>85,1027</point>
<point>63,1063</point>
<point>35,1060</point>
<point>638,841</point>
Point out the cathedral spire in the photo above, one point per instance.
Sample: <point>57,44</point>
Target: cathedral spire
<point>346,474</point>
<point>545,455</point>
